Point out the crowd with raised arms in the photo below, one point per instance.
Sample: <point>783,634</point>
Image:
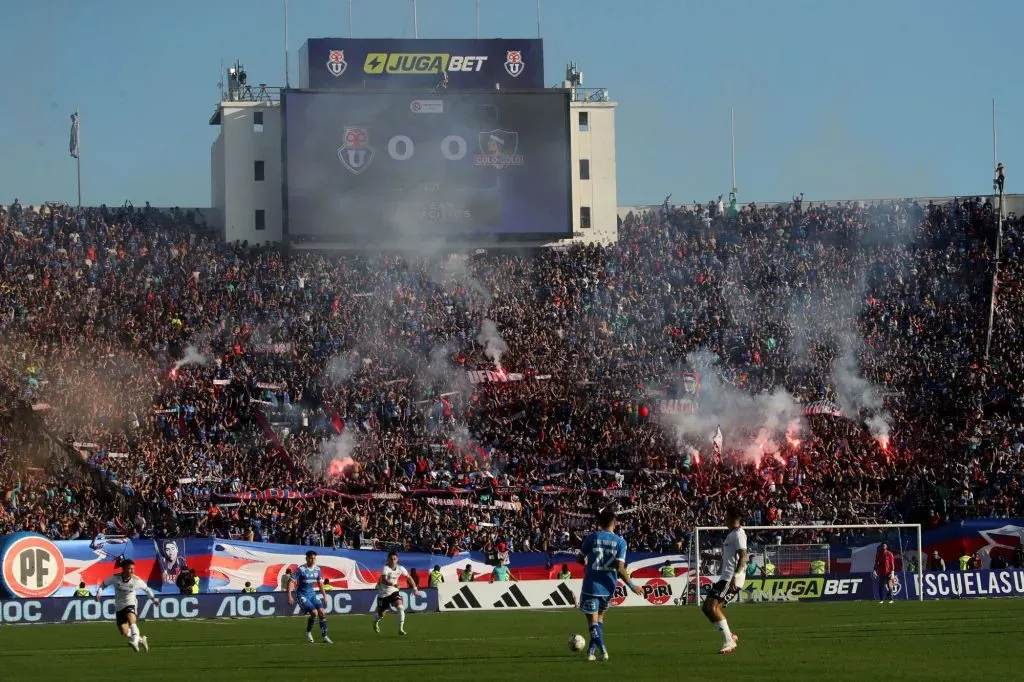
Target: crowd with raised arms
<point>446,402</point>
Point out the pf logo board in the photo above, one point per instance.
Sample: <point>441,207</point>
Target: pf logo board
<point>33,567</point>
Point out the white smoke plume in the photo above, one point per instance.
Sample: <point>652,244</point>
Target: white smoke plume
<point>857,397</point>
<point>494,345</point>
<point>755,422</point>
<point>335,456</point>
<point>192,357</point>
<point>439,365</point>
<point>456,269</point>
<point>343,367</point>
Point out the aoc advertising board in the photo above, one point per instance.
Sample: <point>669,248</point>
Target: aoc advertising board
<point>383,167</point>
<point>467,64</point>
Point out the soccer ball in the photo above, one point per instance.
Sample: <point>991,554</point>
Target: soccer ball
<point>576,643</point>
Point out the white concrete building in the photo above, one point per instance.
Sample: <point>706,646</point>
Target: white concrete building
<point>594,188</point>
<point>245,177</point>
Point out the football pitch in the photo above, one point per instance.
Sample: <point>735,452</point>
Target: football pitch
<point>970,639</point>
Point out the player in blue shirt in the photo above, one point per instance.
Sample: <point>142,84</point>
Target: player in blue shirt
<point>604,555</point>
<point>306,579</point>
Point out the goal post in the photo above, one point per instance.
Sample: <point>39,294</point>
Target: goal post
<point>811,562</point>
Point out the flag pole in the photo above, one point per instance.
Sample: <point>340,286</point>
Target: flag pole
<point>994,160</point>
<point>477,18</point>
<point>349,18</point>
<point>78,157</point>
<point>733,135</point>
<point>287,81</point>
<point>415,21</point>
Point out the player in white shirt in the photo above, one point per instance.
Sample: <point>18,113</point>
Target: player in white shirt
<point>125,585</point>
<point>730,580</point>
<point>388,596</point>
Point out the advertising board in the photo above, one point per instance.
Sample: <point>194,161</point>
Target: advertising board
<point>188,607</point>
<point>396,63</point>
<point>551,594</point>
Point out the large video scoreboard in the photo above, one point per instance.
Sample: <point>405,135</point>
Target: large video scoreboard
<point>378,167</point>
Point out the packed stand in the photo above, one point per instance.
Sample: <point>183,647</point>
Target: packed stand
<point>206,381</point>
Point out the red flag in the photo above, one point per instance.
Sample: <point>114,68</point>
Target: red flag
<point>339,425</point>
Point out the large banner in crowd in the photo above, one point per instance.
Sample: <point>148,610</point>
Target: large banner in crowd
<point>990,538</point>
<point>182,607</point>
<point>34,567</point>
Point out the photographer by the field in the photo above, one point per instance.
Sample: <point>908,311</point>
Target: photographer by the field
<point>186,582</point>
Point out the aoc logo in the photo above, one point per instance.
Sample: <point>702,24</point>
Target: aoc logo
<point>356,154</point>
<point>336,63</point>
<point>33,567</point>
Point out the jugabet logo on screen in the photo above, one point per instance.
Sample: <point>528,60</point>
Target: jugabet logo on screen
<point>412,64</point>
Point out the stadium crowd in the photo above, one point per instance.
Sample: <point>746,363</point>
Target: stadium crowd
<point>342,400</point>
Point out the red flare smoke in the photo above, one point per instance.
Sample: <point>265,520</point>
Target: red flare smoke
<point>341,468</point>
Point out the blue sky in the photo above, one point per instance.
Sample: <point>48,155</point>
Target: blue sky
<point>834,98</point>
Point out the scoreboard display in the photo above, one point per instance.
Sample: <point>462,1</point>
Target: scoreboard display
<point>376,167</point>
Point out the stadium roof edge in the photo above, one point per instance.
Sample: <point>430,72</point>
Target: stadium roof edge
<point>1011,202</point>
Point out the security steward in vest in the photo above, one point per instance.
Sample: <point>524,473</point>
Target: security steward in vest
<point>248,589</point>
<point>817,567</point>
<point>81,591</point>
<point>565,573</point>
<point>466,574</point>
<point>668,570</point>
<point>435,578</point>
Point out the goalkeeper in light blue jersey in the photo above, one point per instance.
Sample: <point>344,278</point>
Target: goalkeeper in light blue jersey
<point>604,555</point>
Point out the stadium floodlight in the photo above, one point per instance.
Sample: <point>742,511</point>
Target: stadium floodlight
<point>790,556</point>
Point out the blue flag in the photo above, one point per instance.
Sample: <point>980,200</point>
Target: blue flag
<point>73,145</point>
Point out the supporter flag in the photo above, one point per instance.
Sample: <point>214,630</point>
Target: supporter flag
<point>73,144</point>
<point>336,422</point>
<point>826,407</point>
<point>717,440</point>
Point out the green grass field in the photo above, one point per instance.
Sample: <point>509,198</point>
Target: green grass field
<point>970,639</point>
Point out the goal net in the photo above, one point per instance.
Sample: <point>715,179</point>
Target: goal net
<point>812,563</point>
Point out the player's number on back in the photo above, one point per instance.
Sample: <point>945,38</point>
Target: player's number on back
<point>604,560</point>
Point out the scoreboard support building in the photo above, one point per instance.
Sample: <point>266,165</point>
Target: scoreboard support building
<point>400,143</point>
